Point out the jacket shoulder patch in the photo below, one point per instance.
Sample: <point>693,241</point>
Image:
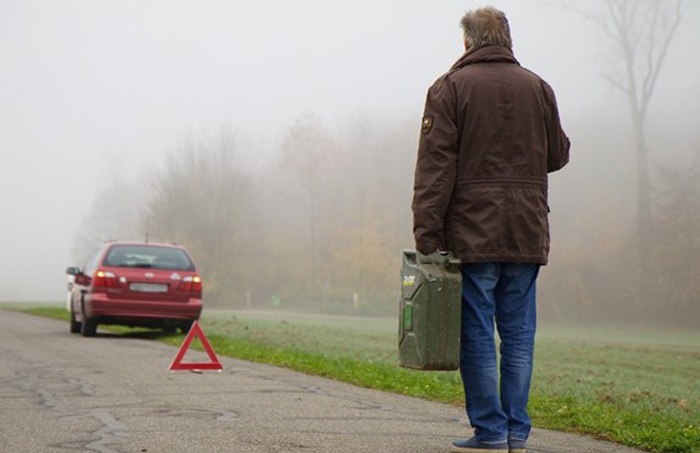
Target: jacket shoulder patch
<point>427,123</point>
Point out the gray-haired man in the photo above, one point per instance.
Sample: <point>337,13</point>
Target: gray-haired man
<point>490,135</point>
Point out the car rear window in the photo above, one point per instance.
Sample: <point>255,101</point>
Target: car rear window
<point>148,257</point>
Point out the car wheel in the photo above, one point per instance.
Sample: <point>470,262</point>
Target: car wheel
<point>75,326</point>
<point>88,328</point>
<point>186,326</point>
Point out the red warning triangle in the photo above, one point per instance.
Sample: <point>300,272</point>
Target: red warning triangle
<point>214,363</point>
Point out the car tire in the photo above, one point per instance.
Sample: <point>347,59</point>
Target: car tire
<point>75,326</point>
<point>88,327</point>
<point>186,326</point>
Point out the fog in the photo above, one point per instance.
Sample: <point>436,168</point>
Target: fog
<point>94,94</point>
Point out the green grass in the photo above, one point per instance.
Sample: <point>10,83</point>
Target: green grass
<point>636,388</point>
<point>644,396</point>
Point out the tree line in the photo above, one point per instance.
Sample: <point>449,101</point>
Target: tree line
<point>321,224</point>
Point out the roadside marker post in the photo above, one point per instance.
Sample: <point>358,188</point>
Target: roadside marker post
<point>213,364</point>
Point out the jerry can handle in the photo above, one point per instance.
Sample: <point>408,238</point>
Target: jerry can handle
<point>411,256</point>
<point>439,258</point>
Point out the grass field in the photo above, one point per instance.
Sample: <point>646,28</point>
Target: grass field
<point>638,388</point>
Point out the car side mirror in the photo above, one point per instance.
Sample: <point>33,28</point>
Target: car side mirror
<point>73,270</point>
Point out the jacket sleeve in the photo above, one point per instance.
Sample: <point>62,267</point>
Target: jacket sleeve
<point>558,143</point>
<point>436,167</point>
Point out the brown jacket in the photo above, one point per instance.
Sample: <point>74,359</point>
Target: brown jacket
<point>490,134</point>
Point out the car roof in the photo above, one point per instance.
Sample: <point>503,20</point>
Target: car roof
<point>144,244</point>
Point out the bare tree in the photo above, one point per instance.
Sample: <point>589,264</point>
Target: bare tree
<point>642,32</point>
<point>676,256</point>
<point>307,151</point>
<point>339,213</point>
<point>203,200</point>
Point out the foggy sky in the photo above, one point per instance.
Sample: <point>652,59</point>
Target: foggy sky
<point>95,91</point>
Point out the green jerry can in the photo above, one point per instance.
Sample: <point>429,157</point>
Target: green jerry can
<point>430,311</point>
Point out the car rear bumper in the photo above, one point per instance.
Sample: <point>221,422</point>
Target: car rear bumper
<point>99,306</point>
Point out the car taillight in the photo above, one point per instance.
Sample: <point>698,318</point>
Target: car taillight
<point>191,284</point>
<point>104,279</point>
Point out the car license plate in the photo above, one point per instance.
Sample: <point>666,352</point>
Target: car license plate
<point>149,287</point>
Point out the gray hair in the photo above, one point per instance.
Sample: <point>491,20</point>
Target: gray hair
<point>486,26</point>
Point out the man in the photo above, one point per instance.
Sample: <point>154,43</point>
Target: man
<point>490,135</point>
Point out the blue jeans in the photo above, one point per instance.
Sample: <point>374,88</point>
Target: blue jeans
<point>504,293</point>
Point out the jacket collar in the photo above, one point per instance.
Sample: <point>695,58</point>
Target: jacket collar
<point>486,54</point>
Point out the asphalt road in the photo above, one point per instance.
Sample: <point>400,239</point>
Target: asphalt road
<point>64,393</point>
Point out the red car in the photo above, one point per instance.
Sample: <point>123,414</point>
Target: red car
<point>136,284</point>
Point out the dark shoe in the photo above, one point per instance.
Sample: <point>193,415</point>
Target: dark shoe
<point>517,446</point>
<point>474,446</point>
